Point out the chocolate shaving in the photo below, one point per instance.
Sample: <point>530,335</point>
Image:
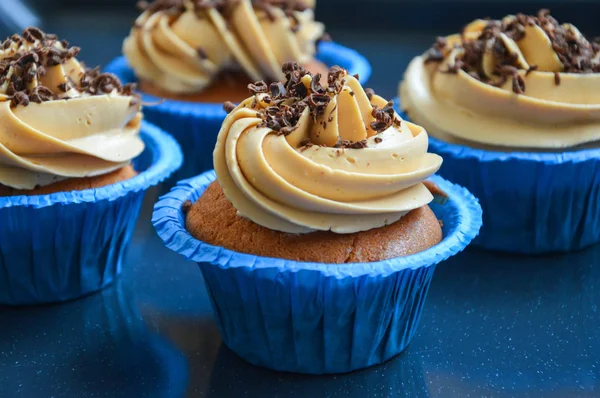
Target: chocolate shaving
<point>576,54</point>
<point>24,64</point>
<point>351,144</point>
<point>436,52</point>
<point>33,34</point>
<point>228,106</point>
<point>277,90</point>
<point>315,84</point>
<point>41,94</point>
<point>532,68</point>
<point>258,88</point>
<point>557,78</point>
<point>225,7</point>
<point>202,53</point>
<point>288,101</point>
<point>20,98</point>
<point>335,79</point>
<point>518,84</point>
<point>384,117</point>
<point>378,140</point>
<point>135,102</point>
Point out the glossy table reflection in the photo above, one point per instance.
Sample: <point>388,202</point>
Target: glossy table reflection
<point>493,325</point>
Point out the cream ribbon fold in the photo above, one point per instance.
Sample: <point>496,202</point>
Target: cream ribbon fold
<point>182,53</point>
<point>281,183</point>
<point>555,111</point>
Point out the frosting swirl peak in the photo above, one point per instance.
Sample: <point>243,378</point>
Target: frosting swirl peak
<point>59,119</point>
<point>181,45</point>
<point>523,81</point>
<point>298,157</point>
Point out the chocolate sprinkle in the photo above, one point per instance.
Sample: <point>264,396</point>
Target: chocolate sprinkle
<point>288,101</point>
<point>225,7</point>
<point>351,144</point>
<point>229,106</point>
<point>202,53</point>
<point>258,88</point>
<point>384,117</point>
<point>25,64</point>
<point>436,52</point>
<point>576,54</point>
<point>532,68</point>
<point>20,98</point>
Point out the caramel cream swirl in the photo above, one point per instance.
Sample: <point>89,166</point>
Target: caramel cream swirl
<point>58,119</point>
<point>297,157</point>
<point>523,82</point>
<point>180,45</point>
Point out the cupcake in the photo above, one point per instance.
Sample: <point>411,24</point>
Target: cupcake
<point>195,55</point>
<point>75,160</point>
<point>513,106</point>
<point>316,234</point>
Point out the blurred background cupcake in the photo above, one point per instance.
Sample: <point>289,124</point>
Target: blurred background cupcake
<point>316,234</point>
<point>75,160</point>
<point>199,54</point>
<point>514,109</point>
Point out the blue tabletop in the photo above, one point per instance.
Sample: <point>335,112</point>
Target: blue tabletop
<point>494,325</point>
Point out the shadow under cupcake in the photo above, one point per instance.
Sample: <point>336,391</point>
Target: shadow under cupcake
<point>316,234</point>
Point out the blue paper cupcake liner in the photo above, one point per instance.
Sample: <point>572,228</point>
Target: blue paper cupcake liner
<point>196,125</point>
<point>310,317</point>
<point>533,202</point>
<point>65,245</point>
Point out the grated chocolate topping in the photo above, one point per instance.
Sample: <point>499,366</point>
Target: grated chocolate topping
<point>436,52</point>
<point>28,57</point>
<point>575,52</point>
<point>228,106</point>
<point>288,100</point>
<point>177,7</point>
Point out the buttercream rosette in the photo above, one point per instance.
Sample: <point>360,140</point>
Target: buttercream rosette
<point>513,107</point>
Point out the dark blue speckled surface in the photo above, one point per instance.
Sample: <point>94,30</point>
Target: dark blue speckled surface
<point>494,325</point>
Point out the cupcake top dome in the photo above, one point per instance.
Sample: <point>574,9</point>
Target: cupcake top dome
<point>298,157</point>
<point>523,81</point>
<point>181,45</point>
<point>60,119</point>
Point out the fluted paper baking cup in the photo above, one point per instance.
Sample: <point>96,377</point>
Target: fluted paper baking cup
<point>65,245</point>
<point>533,202</point>
<point>196,125</point>
<point>312,317</point>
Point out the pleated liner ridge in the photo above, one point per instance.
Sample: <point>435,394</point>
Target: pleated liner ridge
<point>196,125</point>
<point>310,317</point>
<point>533,202</point>
<point>65,245</point>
